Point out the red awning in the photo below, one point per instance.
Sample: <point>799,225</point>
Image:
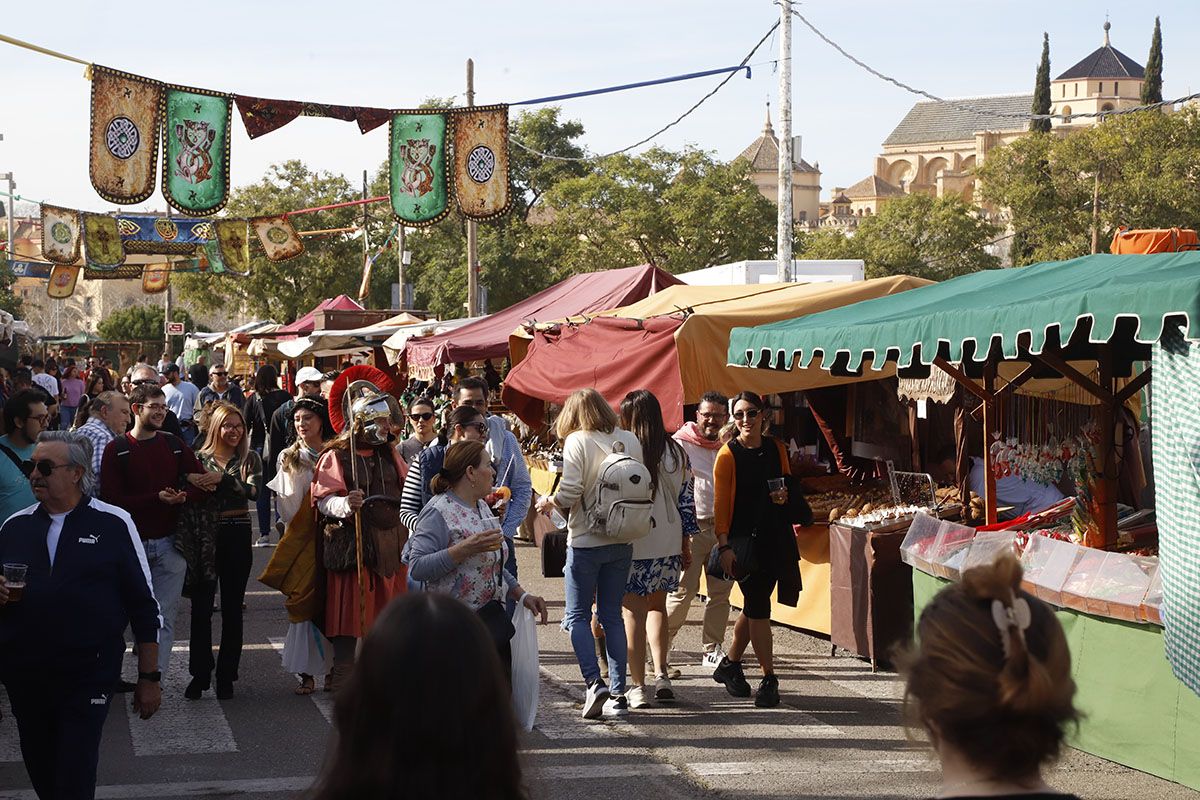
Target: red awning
<point>579,294</point>
<point>614,356</point>
<point>306,323</point>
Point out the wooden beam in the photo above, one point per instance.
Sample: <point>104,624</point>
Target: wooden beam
<point>1023,377</point>
<point>1056,362</point>
<point>1133,387</point>
<point>1106,481</point>
<point>961,378</point>
<point>989,425</point>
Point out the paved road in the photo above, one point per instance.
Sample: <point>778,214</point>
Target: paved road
<point>837,734</point>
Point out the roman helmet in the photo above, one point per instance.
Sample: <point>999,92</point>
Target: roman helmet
<point>364,396</point>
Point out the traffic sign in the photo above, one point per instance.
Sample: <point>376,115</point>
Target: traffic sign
<point>174,328</point>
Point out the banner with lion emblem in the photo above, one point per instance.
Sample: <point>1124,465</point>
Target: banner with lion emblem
<point>419,187</point>
<point>123,159</point>
<point>278,237</point>
<point>195,177</point>
<point>102,242</point>
<point>481,162</point>
<point>62,281</point>
<point>60,234</point>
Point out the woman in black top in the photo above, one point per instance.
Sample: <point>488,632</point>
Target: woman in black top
<point>258,409</point>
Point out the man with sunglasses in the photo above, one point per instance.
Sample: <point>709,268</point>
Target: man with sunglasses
<point>464,424</point>
<point>151,474</point>
<point>220,389</point>
<point>62,642</point>
<point>25,416</point>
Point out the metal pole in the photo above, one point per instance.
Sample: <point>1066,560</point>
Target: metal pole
<point>472,241</point>
<point>400,269</point>
<point>783,236</point>
<point>8,206</point>
<point>364,289</point>
<point>167,315</point>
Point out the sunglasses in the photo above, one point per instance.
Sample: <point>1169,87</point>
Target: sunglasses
<point>479,426</point>
<point>749,413</point>
<point>44,467</point>
<point>220,374</point>
<point>423,417</point>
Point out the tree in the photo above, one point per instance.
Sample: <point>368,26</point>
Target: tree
<point>929,237</point>
<point>827,243</point>
<point>1152,81</point>
<point>330,265</point>
<point>1041,89</point>
<point>8,298</point>
<point>142,323</point>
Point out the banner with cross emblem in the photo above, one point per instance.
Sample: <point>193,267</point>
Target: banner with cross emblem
<point>233,239</point>
<point>418,184</point>
<point>102,242</point>
<point>195,178</point>
<point>278,237</point>
<point>60,234</point>
<point>481,162</point>
<point>124,144</point>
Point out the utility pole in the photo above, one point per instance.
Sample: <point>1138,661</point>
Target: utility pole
<point>167,314</point>
<point>783,235</point>
<point>472,233</point>
<point>400,268</point>
<point>10,247</point>
<point>1096,211</point>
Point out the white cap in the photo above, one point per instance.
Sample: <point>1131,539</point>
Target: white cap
<point>308,375</point>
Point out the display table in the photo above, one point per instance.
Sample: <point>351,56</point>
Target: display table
<point>1136,712</point>
<point>812,610</point>
<point>871,595</point>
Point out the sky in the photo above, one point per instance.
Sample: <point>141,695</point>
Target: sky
<point>396,54</point>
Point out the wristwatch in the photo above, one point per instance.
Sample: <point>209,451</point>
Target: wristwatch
<point>153,677</point>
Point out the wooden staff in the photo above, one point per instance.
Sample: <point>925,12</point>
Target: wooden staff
<point>358,541</point>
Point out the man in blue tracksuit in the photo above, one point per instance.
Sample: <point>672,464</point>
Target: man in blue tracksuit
<point>62,639</point>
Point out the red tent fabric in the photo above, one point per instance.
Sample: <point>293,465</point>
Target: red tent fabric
<point>579,294</point>
<point>611,357</point>
<point>306,323</point>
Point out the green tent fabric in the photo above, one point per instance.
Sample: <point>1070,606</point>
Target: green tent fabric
<point>960,319</point>
<point>1175,417</point>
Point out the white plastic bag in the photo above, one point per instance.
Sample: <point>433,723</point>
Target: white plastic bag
<point>525,667</point>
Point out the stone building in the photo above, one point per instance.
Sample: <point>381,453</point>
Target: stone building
<point>763,155</point>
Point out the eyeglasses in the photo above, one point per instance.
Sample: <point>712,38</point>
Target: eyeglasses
<point>145,381</point>
<point>714,415</point>
<point>749,413</point>
<point>44,467</point>
<point>232,426</point>
<point>423,417</point>
<point>479,426</point>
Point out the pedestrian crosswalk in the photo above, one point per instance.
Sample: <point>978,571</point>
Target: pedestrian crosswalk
<point>180,727</point>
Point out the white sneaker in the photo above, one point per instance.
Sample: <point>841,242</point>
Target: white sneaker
<point>662,689</point>
<point>594,700</point>
<point>712,659</point>
<point>616,706</point>
<point>263,541</point>
<point>637,697</point>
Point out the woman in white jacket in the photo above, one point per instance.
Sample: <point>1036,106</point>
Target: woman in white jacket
<point>597,569</point>
<point>662,556</point>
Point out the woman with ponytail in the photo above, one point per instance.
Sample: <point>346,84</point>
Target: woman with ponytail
<point>457,548</point>
<point>990,681</point>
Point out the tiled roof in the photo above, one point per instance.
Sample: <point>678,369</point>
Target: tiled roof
<point>873,186</point>
<point>946,121</point>
<point>763,154</point>
<point>1106,62</point>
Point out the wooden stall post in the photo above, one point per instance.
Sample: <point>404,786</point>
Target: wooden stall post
<point>987,394</point>
<point>1106,418</point>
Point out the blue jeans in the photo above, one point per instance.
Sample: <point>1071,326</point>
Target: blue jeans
<point>599,573</point>
<point>167,571</point>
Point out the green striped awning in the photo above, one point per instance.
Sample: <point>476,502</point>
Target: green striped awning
<point>1124,298</point>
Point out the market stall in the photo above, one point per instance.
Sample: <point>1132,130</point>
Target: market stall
<point>1052,320</point>
<point>487,338</point>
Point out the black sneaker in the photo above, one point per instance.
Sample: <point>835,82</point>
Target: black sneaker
<point>767,695</point>
<point>730,673</point>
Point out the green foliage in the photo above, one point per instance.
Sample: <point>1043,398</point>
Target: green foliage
<point>1152,81</point>
<point>1145,163</point>
<point>827,243</point>
<point>1041,89</point>
<point>8,299</point>
<point>142,323</point>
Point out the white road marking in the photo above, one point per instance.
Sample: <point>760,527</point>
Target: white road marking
<point>265,593</point>
<point>183,647</point>
<point>180,727</point>
<point>10,742</point>
<point>791,767</point>
<point>604,771</point>
<point>323,700</point>
<point>233,788</point>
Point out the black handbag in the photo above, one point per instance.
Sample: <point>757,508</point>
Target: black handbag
<point>799,512</point>
<point>497,621</point>
<point>745,559</point>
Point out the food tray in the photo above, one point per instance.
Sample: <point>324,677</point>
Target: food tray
<point>1119,588</point>
<point>1048,563</point>
<point>987,545</point>
<point>1077,591</point>
<point>1151,608</point>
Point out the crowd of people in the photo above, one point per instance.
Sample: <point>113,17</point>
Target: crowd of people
<point>396,562</point>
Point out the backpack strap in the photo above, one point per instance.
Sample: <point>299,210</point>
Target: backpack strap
<point>12,456</point>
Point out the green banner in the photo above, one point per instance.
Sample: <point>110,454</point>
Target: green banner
<point>420,189</point>
<point>196,150</point>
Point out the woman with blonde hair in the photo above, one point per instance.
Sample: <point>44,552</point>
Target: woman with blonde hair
<point>226,450</point>
<point>596,567</point>
<point>990,681</point>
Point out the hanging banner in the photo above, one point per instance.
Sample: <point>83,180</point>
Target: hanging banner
<point>278,237</point>
<point>156,278</point>
<point>233,238</point>
<point>212,254</point>
<point>62,281</point>
<point>481,186</point>
<point>60,234</point>
<point>419,187</point>
<point>29,269</point>
<point>162,235</point>
<point>102,242</point>
<point>195,176</point>
<point>261,116</point>
<point>124,148</point>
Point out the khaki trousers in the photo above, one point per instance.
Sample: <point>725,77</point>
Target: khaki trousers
<point>716,609</point>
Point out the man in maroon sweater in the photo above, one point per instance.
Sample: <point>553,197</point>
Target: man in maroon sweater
<point>143,472</point>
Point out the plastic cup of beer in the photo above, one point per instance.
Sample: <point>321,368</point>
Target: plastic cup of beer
<point>776,487</point>
<point>14,579</point>
<point>491,523</point>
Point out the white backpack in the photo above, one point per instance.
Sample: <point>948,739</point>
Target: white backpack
<point>620,502</point>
